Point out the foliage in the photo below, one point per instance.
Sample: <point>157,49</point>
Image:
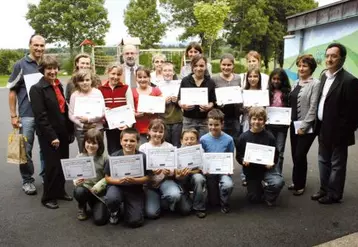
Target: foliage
<point>211,17</point>
<point>143,21</point>
<point>69,21</point>
<point>239,68</point>
<point>7,60</point>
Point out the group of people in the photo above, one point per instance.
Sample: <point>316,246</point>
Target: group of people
<point>324,107</point>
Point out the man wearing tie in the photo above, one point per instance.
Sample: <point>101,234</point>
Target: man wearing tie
<point>130,54</point>
<point>337,119</point>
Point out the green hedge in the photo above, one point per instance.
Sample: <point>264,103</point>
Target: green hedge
<point>8,59</point>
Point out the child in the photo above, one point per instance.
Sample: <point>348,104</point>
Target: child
<point>156,76</point>
<point>193,179</point>
<point>216,141</point>
<point>279,89</point>
<point>253,60</point>
<point>86,188</point>
<point>192,50</point>
<point>163,185</point>
<point>263,182</point>
<point>84,88</point>
<point>127,190</point>
<point>173,116</point>
<point>115,94</point>
<point>144,88</point>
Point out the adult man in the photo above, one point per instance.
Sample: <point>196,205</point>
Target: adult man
<point>130,55</point>
<point>336,122</point>
<point>25,118</point>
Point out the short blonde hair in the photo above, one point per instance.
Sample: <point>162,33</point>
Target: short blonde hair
<point>259,112</point>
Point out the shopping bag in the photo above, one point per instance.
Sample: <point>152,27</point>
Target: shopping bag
<point>16,152</point>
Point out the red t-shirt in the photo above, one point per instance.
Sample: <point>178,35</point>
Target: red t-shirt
<point>60,98</point>
<point>143,122</point>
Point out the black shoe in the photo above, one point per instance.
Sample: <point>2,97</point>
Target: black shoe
<point>318,195</point>
<point>298,192</point>
<point>66,197</point>
<point>225,209</point>
<point>328,200</point>
<point>291,187</point>
<point>51,204</point>
<point>200,214</point>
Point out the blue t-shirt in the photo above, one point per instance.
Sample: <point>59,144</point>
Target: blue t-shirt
<point>221,144</point>
<point>24,66</point>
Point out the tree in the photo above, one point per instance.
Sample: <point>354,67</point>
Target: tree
<point>143,21</point>
<point>69,21</point>
<point>211,17</point>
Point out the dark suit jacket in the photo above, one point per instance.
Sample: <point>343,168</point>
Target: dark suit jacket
<point>340,116</point>
<point>50,122</point>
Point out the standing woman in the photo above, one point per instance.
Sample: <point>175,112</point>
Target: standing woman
<point>253,60</point>
<point>156,76</point>
<point>303,100</point>
<point>227,78</point>
<point>193,49</point>
<point>194,116</point>
<point>53,129</point>
<point>279,91</point>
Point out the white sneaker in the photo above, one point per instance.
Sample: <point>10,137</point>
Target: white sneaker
<point>113,219</point>
<point>29,189</point>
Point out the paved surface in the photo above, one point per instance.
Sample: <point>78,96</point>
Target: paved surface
<point>296,221</point>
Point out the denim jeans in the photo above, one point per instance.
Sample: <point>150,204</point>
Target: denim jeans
<point>80,137</point>
<point>201,125</point>
<point>219,189</point>
<point>197,183</point>
<point>173,134</point>
<point>280,134</point>
<point>232,127</point>
<point>27,170</point>
<point>170,192</point>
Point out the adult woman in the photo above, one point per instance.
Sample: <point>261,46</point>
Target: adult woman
<point>53,129</point>
<point>156,76</point>
<point>227,78</point>
<point>193,49</point>
<point>303,100</point>
<point>194,116</point>
<point>253,60</point>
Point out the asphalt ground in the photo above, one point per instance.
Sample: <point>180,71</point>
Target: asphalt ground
<point>295,221</point>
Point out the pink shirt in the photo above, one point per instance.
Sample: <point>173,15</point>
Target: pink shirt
<point>277,99</point>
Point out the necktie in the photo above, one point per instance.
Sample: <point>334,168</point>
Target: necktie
<point>133,81</point>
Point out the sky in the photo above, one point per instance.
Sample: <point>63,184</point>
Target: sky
<point>18,31</point>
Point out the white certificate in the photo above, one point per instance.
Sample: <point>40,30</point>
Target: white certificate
<point>151,104</point>
<point>219,163</point>
<point>191,157</point>
<point>120,116</point>
<point>88,107</point>
<point>170,88</point>
<point>161,158</point>
<point>31,80</point>
<point>126,166</point>
<point>256,98</point>
<point>76,168</point>
<point>228,95</point>
<point>194,96</point>
<point>279,115</point>
<point>259,154</point>
<point>297,125</point>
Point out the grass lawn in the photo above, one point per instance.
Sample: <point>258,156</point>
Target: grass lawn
<point>3,80</point>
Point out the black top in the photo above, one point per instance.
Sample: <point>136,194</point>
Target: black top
<point>294,99</point>
<point>264,138</point>
<point>189,82</point>
<point>134,187</point>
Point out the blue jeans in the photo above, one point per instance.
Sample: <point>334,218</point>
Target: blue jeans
<point>232,127</point>
<point>172,194</point>
<point>219,189</point>
<point>201,125</point>
<point>280,134</point>
<point>197,183</point>
<point>27,170</point>
<point>173,134</point>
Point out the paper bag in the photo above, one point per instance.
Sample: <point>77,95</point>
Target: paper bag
<point>16,152</point>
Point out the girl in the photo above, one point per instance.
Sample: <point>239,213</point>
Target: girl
<point>144,88</point>
<point>193,49</point>
<point>253,60</point>
<point>194,116</point>
<point>163,185</point>
<point>227,78</point>
<point>115,94</point>
<point>193,179</point>
<point>86,189</point>
<point>157,76</point>
<point>279,90</point>
<point>84,88</point>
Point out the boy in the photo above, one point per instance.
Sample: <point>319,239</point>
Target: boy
<point>128,190</point>
<point>264,183</point>
<point>216,141</point>
<point>173,116</point>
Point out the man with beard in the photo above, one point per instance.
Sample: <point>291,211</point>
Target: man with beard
<point>130,54</point>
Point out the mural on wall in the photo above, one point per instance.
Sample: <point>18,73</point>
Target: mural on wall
<point>315,42</point>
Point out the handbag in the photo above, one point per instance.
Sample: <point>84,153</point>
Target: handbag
<point>16,152</point>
